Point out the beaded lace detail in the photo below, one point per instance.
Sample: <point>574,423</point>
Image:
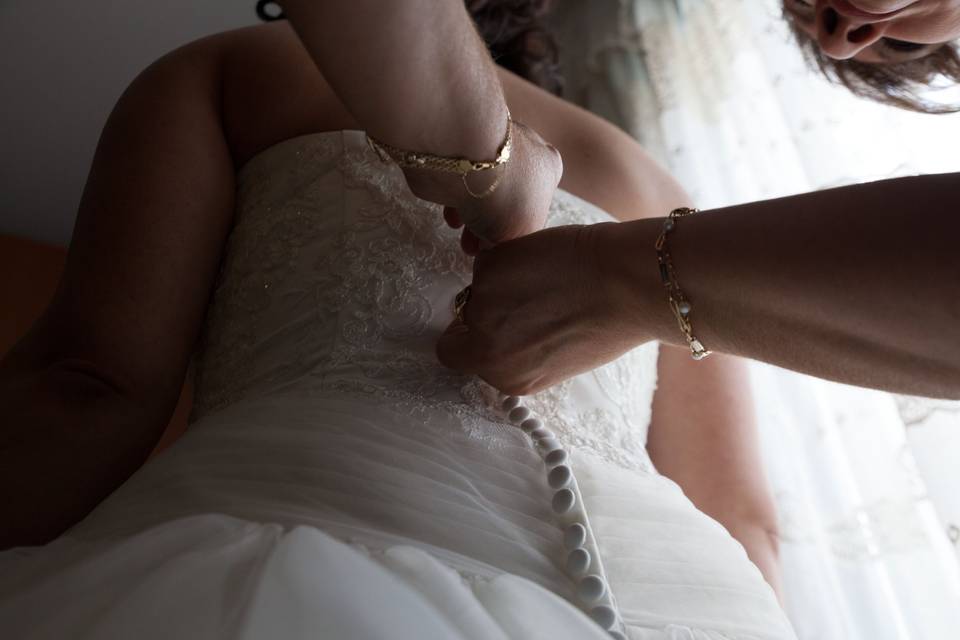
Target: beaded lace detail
<point>337,280</point>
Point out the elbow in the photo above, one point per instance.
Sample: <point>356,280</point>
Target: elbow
<point>771,536</point>
<point>761,541</point>
<point>760,537</point>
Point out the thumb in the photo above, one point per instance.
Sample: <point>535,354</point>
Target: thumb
<point>456,348</point>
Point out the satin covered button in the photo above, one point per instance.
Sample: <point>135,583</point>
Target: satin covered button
<point>574,536</point>
<point>531,424</point>
<point>563,501</point>
<point>557,456</point>
<point>559,477</point>
<point>548,444</point>
<point>541,433</point>
<point>604,616</point>
<point>519,414</point>
<point>591,588</point>
<point>510,403</point>
<point>578,561</point>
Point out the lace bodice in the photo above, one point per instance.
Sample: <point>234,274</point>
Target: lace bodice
<point>338,280</point>
<point>326,420</point>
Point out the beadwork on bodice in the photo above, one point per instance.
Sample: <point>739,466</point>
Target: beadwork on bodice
<point>336,279</point>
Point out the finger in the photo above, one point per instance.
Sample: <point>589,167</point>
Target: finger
<point>452,217</point>
<point>469,243</point>
<point>456,349</point>
<point>456,326</point>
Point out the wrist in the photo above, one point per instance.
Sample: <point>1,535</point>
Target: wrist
<point>434,186</point>
<point>448,178</point>
<point>635,294</point>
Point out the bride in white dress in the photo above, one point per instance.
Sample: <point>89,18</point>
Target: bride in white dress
<point>336,481</point>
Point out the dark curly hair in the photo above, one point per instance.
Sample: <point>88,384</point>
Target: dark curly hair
<point>904,85</point>
<point>515,33</point>
<point>518,39</point>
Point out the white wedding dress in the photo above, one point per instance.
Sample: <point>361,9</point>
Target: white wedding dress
<point>338,483</point>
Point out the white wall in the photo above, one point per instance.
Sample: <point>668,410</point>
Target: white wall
<point>63,64</point>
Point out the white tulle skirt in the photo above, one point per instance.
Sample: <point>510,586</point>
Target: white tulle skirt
<point>215,576</point>
<point>318,516</point>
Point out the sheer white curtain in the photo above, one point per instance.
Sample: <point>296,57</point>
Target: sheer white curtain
<point>718,92</point>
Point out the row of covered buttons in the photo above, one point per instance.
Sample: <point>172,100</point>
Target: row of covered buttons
<point>567,505</point>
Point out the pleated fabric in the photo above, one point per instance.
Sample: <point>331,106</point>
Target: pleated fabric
<point>337,482</point>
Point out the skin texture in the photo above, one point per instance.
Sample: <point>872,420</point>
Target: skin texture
<point>858,28</point>
<point>704,437</point>
<point>814,282</point>
<point>435,94</point>
<point>101,370</point>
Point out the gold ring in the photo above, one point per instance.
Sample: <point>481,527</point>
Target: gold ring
<point>460,303</point>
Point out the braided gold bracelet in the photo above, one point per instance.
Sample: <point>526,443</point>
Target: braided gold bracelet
<point>679,304</point>
<point>447,164</point>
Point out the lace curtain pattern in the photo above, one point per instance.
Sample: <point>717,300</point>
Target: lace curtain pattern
<point>865,481</point>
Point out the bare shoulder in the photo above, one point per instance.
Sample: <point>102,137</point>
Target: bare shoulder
<point>602,164</point>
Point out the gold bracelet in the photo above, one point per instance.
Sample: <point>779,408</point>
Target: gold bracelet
<point>461,166</point>
<point>679,304</point>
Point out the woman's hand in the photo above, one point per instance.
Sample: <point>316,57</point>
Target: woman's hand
<point>518,206</point>
<point>544,308</point>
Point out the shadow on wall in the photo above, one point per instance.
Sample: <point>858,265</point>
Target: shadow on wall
<point>63,65</point>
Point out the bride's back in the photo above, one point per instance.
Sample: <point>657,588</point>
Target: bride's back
<point>321,407</point>
<point>320,402</point>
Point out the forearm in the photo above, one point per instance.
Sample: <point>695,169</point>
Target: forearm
<point>414,73</point>
<point>67,441</point>
<point>763,548</point>
<point>859,284</point>
<point>703,436</point>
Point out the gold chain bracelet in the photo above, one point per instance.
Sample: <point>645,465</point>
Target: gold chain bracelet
<point>679,304</point>
<point>447,164</point>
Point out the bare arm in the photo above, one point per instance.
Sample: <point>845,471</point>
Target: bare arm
<point>417,75</point>
<point>703,437</point>
<point>413,72</point>
<point>87,393</point>
<point>859,284</point>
